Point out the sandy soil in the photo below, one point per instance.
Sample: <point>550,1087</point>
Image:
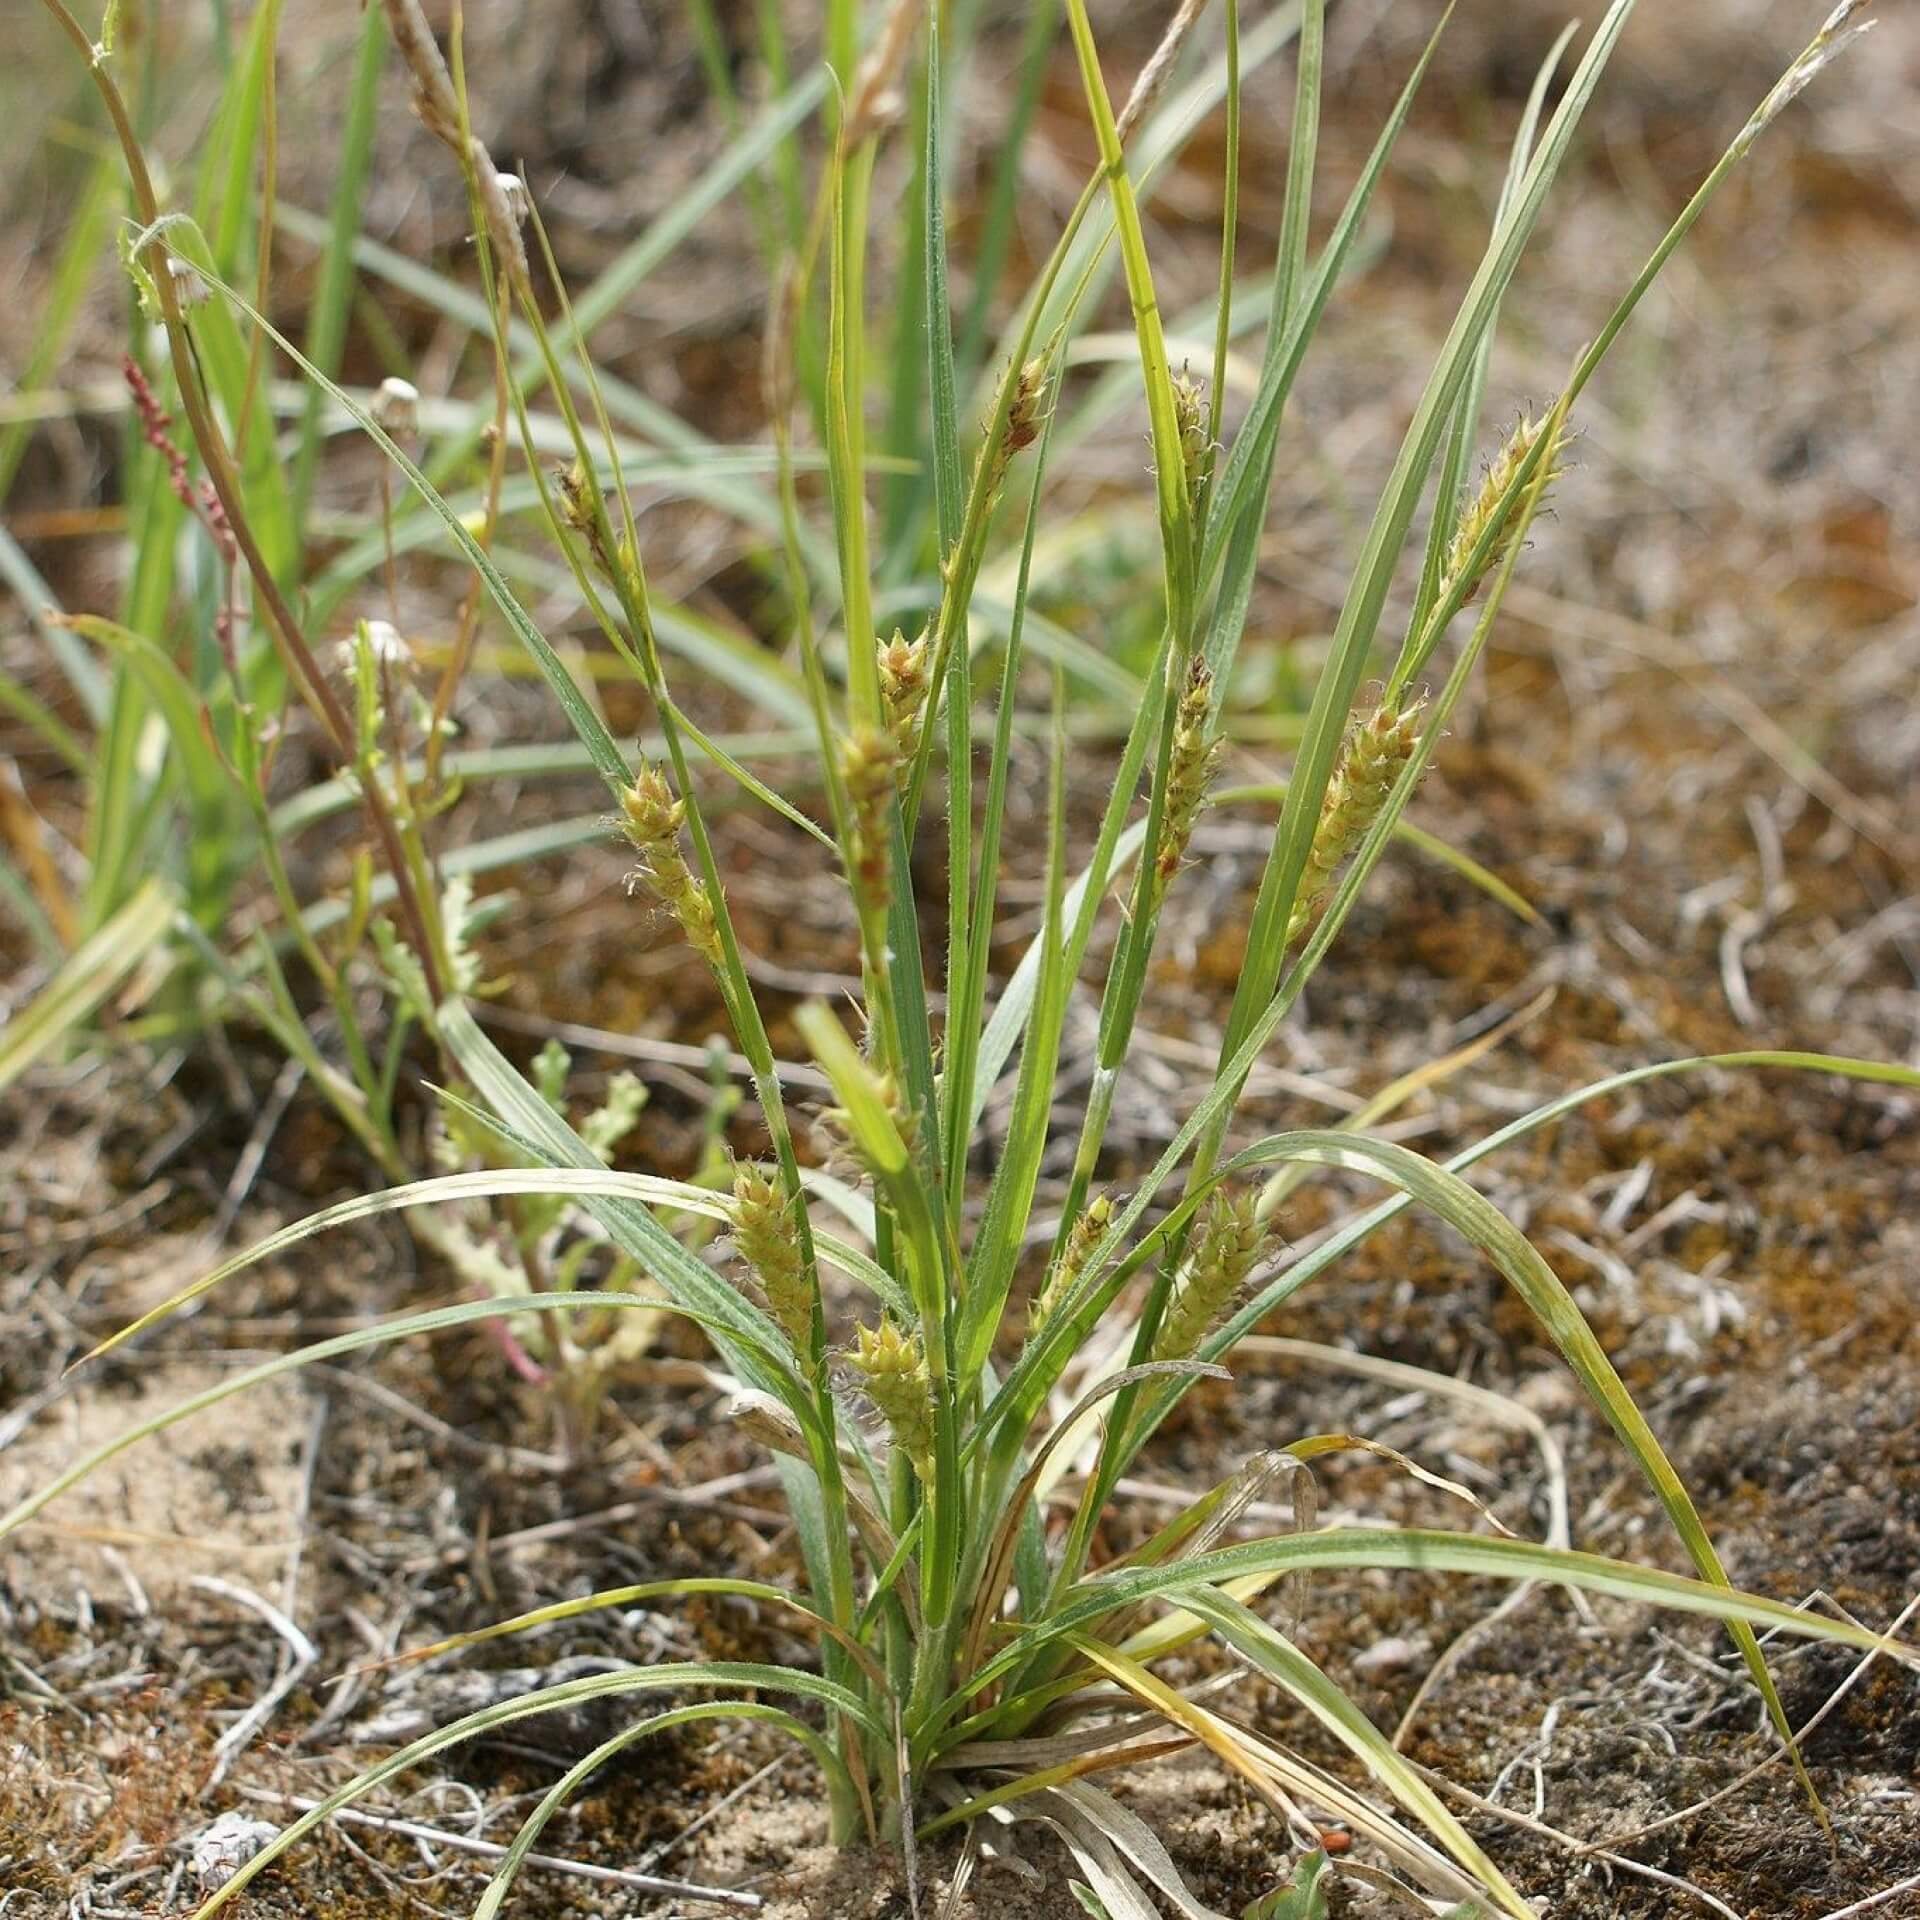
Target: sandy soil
<point>1696,754</point>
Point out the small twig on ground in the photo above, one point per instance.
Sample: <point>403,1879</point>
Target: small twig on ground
<point>672,1845</point>
<point>708,1497</point>
<point>1546,1832</point>
<point>1801,1732</point>
<point>237,1737</point>
<point>489,1850</point>
<point>303,1509</point>
<point>1875,1900</point>
<point>246,1169</point>
<point>493,1451</point>
<point>630,1046</point>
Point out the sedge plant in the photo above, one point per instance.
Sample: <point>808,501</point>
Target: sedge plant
<point>924,1392</point>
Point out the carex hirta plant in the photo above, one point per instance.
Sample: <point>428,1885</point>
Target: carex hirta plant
<point>924,1386</point>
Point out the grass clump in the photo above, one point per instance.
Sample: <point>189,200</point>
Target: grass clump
<point>970,1656</point>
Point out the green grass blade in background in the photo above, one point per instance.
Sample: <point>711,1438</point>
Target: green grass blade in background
<point>753,507</point>
<point>1449,490</point>
<point>1155,146</point>
<point>997,218</point>
<point>962,1090</point>
<point>1176,510</point>
<point>224,206</point>
<point>73,273</point>
<point>216,817</point>
<point>88,976</point>
<point>1296,309</point>
<point>77,666</point>
<point>607,758</point>
<point>903,430</point>
<point>622,277</point>
<point>1303,150</point>
<point>942,392</point>
<point>949,489</point>
<point>33,713</point>
<point>1016,1174</point>
<point>333,290</point>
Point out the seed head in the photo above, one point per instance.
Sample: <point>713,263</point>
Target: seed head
<point>513,190</point>
<point>903,667</point>
<point>1190,772</point>
<point>438,106</point>
<point>1226,1249</point>
<point>653,815</point>
<point>893,1370</point>
<point>505,202</point>
<point>1153,76</point>
<point>1484,510</point>
<point>1024,418</point>
<point>651,818</point>
<point>870,764</point>
<point>842,1145</point>
<point>580,508</point>
<point>1376,750</point>
<point>388,645</point>
<point>1196,449</point>
<point>1085,1235</point>
<point>1839,31</point>
<point>155,421</point>
<point>1023,412</point>
<point>583,508</point>
<point>877,103</point>
<point>769,1242</point>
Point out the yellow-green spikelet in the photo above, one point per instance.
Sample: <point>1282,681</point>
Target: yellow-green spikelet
<point>835,1135</point>
<point>903,665</point>
<point>652,817</point>
<point>1081,1240</point>
<point>893,1370</point>
<point>1376,751</point>
<point>1196,449</point>
<point>1460,573</point>
<point>769,1241</point>
<point>870,764</point>
<point>1190,771</point>
<point>1230,1241</point>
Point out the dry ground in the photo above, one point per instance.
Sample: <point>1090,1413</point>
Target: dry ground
<point>1696,754</point>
